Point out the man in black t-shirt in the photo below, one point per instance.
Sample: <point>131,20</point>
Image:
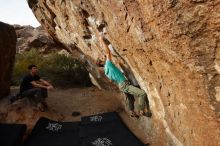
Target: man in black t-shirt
<point>32,86</point>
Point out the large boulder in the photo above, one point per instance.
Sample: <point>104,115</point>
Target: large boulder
<point>171,47</point>
<point>8,48</point>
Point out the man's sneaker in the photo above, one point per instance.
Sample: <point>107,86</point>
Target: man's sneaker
<point>12,98</point>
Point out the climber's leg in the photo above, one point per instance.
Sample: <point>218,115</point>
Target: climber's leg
<point>137,92</point>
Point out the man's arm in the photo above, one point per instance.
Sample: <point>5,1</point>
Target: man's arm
<point>45,82</point>
<point>35,84</point>
<point>107,50</point>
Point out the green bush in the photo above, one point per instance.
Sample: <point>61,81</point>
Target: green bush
<point>62,71</point>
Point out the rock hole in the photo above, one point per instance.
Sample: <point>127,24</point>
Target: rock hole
<point>169,103</point>
<point>150,63</point>
<point>85,22</point>
<point>107,41</point>
<point>128,28</point>
<point>140,50</point>
<point>126,15</point>
<point>160,86</point>
<point>66,17</point>
<point>89,45</point>
<point>101,27</point>
<point>85,13</point>
<point>199,1</point>
<point>124,49</point>
<point>132,19</point>
<point>88,36</point>
<point>126,9</point>
<point>72,46</point>
<point>43,21</point>
<point>172,3</point>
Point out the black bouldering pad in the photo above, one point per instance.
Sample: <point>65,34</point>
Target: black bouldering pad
<point>11,134</point>
<point>101,118</point>
<point>106,128</point>
<point>100,129</point>
<point>97,130</point>
<point>51,133</point>
<point>116,139</point>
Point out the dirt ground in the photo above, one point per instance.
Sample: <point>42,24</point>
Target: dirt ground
<point>62,102</point>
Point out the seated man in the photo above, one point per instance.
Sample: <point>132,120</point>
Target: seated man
<point>32,86</point>
<point>114,74</point>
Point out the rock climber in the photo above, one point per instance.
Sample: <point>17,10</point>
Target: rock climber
<point>115,75</point>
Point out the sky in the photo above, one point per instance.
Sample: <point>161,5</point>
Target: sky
<point>17,12</point>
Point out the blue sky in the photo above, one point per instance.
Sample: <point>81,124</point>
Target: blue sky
<point>17,12</point>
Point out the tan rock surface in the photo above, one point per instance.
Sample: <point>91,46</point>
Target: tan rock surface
<point>172,48</point>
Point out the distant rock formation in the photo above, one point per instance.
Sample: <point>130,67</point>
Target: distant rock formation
<point>7,48</point>
<point>172,47</point>
<point>29,37</point>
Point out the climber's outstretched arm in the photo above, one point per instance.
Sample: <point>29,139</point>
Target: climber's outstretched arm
<point>107,50</point>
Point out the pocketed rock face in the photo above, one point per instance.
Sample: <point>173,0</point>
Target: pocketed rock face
<point>7,55</point>
<point>172,47</point>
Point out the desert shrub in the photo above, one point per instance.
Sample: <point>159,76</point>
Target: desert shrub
<point>21,63</point>
<point>61,70</point>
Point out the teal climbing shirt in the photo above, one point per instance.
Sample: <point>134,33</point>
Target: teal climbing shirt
<point>113,73</point>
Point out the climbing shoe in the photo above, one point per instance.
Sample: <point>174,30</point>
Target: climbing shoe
<point>12,98</point>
